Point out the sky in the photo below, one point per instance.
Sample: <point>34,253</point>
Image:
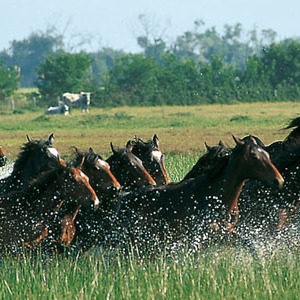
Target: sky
<point>114,23</point>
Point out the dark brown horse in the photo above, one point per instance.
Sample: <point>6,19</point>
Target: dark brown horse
<point>3,157</point>
<point>28,216</point>
<point>35,157</point>
<point>128,169</point>
<point>98,170</point>
<point>212,157</point>
<point>213,196</point>
<point>90,223</point>
<point>271,209</point>
<point>152,157</point>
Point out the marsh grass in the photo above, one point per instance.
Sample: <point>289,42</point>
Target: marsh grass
<point>223,273</point>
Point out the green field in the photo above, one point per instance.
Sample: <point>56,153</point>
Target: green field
<point>223,272</point>
<point>181,129</point>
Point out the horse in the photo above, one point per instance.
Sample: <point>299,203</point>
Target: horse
<point>128,168</point>
<point>153,159</point>
<point>28,217</point>
<point>168,211</point>
<point>90,223</point>
<point>271,209</point>
<point>278,207</point>
<point>207,161</point>
<point>35,157</point>
<point>3,157</point>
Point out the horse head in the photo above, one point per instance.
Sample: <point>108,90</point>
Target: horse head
<point>98,171</point>
<point>152,158</point>
<point>128,168</point>
<point>255,163</point>
<point>35,157</point>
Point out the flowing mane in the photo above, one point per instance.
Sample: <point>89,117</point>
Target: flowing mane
<point>36,156</point>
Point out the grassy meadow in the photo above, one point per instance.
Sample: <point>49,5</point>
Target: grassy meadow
<point>225,272</point>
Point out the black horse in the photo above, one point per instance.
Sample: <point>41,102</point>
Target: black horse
<point>36,156</point>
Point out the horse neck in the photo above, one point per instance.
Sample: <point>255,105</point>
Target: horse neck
<point>226,184</point>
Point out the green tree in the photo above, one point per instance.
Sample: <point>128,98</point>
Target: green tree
<point>64,72</point>
<point>30,53</point>
<point>9,81</point>
<point>132,80</point>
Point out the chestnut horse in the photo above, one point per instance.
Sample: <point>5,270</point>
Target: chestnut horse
<point>3,157</point>
<point>28,216</point>
<point>169,209</point>
<point>35,157</point>
<point>128,169</point>
<point>153,159</point>
<point>90,223</point>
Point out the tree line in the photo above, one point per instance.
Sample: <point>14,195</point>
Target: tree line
<point>200,66</point>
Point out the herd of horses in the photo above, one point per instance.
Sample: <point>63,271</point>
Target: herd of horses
<point>47,203</point>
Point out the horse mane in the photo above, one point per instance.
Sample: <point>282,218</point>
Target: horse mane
<point>209,160</point>
<point>293,139</point>
<point>36,186</point>
<point>88,156</point>
<point>25,152</point>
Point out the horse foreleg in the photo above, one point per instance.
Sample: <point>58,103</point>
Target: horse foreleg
<point>284,215</point>
<point>68,230</point>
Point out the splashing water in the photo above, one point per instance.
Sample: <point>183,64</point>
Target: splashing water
<point>6,170</point>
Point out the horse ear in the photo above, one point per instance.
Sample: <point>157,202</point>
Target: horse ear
<point>28,138</point>
<point>156,140</point>
<point>208,148</point>
<point>91,150</point>
<point>222,144</point>
<point>238,141</point>
<point>51,139</point>
<point>112,148</point>
<point>129,145</point>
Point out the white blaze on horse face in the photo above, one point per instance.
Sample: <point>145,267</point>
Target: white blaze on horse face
<point>157,155</point>
<point>103,163</point>
<point>53,151</point>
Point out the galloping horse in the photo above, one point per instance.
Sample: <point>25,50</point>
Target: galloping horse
<point>213,195</point>
<point>208,160</point>
<point>35,157</point>
<point>28,216</point>
<point>90,223</point>
<point>3,157</point>
<point>153,159</point>
<point>128,169</point>
<point>271,209</point>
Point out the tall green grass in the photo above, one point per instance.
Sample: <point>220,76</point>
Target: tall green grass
<point>228,273</point>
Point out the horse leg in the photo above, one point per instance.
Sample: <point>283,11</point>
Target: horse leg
<point>68,229</point>
<point>284,215</point>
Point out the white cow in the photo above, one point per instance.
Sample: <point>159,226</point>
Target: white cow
<point>56,110</point>
<point>81,100</point>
